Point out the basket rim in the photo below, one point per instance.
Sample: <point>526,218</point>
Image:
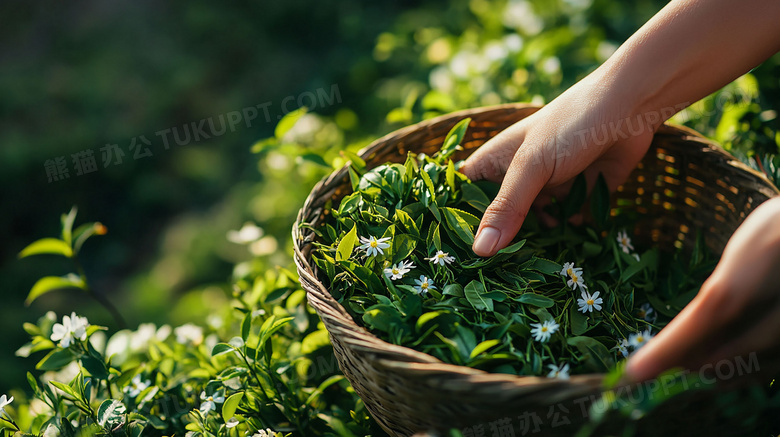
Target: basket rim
<point>414,363</point>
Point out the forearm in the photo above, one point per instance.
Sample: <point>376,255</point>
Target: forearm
<point>689,50</point>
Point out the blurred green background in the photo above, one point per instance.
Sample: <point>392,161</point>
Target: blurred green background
<point>81,75</point>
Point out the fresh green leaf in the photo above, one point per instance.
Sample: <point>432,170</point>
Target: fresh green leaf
<point>221,348</point>
<point>344,250</point>
<point>453,139</point>
<point>536,300</point>
<point>288,121</point>
<point>48,284</point>
<point>474,292</point>
<point>230,405</point>
<point>456,223</point>
<point>51,246</point>
<point>484,347</point>
<point>111,413</point>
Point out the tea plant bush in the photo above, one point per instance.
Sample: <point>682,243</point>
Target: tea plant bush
<point>265,369</point>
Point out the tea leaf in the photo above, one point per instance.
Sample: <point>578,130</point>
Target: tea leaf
<point>344,250</point>
<point>51,246</point>
<point>230,405</point>
<point>288,121</point>
<point>453,139</point>
<point>474,294</point>
<point>536,300</point>
<point>52,283</point>
<point>483,347</point>
<point>459,226</point>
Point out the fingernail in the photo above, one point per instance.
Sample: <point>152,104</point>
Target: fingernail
<point>486,240</point>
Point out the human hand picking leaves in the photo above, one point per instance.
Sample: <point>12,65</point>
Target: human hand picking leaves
<point>605,122</point>
<point>737,311</point>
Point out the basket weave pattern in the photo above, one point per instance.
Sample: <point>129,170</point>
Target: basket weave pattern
<point>685,183</point>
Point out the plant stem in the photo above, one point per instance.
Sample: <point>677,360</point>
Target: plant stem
<point>102,300</point>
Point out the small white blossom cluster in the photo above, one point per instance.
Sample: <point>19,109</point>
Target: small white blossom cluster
<point>136,386</point>
<point>635,341</point>
<point>625,243</point>
<point>4,402</point>
<point>543,331</point>
<point>574,275</point>
<point>71,329</point>
<point>441,258</point>
<point>647,313</point>
<point>587,302</point>
<point>376,246</point>
<point>210,401</point>
<point>558,372</point>
<point>397,271</point>
<point>189,333</point>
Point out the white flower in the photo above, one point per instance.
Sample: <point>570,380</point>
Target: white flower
<point>441,258</point>
<point>624,241</point>
<point>569,270</point>
<point>231,423</point>
<point>622,347</point>
<point>210,402</point>
<point>137,385</point>
<point>72,328</point>
<point>561,372</point>
<point>51,431</point>
<point>575,276</point>
<point>575,280</point>
<point>513,42</point>
<point>189,333</point>
<point>647,313</point>
<point>268,432</point>
<point>590,302</point>
<point>4,402</point>
<point>543,331</point>
<point>372,246</point>
<point>640,339</point>
<point>248,233</point>
<point>397,271</point>
<point>423,285</point>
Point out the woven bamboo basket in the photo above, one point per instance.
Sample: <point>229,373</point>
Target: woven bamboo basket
<point>684,183</point>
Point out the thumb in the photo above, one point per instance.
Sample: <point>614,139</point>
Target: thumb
<point>527,174</point>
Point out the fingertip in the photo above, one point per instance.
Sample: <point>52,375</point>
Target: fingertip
<point>637,369</point>
<point>486,240</point>
<point>466,169</point>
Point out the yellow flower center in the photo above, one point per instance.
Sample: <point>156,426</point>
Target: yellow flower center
<point>641,313</point>
<point>374,243</point>
<point>590,301</point>
<point>424,284</point>
<point>570,272</point>
<point>544,329</point>
<point>210,398</point>
<point>395,271</point>
<point>575,279</point>
<point>640,339</point>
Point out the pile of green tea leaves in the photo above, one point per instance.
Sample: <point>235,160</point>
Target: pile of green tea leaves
<point>396,253</point>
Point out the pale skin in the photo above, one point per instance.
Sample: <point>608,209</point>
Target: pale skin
<point>605,123</point>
